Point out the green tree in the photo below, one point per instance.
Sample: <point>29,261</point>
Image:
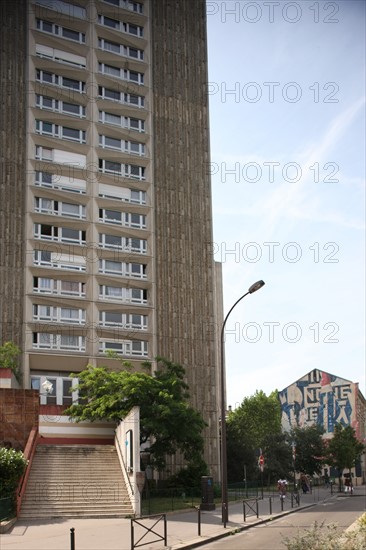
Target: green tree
<point>278,457</point>
<point>247,429</point>
<point>9,356</point>
<point>12,467</point>
<point>343,449</point>
<point>167,421</point>
<point>310,449</point>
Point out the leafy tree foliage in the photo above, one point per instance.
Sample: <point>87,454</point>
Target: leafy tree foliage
<point>248,429</point>
<point>344,448</point>
<point>167,421</point>
<point>9,354</point>
<point>12,467</point>
<point>278,456</point>
<point>310,449</point>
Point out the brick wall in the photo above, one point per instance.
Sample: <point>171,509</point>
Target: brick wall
<point>19,412</point>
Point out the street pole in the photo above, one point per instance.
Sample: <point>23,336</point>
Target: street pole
<point>224,489</point>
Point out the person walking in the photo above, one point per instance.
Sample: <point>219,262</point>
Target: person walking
<point>282,488</point>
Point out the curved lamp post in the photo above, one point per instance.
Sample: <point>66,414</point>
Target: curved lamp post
<point>224,493</point>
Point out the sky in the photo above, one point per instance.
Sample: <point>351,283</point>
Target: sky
<point>287,129</point>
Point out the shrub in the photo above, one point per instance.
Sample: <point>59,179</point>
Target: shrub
<point>328,537</point>
<point>12,467</point>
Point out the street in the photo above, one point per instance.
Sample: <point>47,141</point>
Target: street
<point>343,511</point>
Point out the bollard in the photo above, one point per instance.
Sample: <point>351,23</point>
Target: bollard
<point>72,538</point>
<point>199,521</point>
<point>270,506</point>
<point>282,499</point>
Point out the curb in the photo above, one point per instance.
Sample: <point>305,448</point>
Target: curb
<point>195,543</point>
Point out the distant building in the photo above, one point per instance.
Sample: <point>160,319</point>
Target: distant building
<point>324,399</point>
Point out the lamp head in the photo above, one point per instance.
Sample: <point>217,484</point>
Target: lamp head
<point>47,387</point>
<point>256,286</point>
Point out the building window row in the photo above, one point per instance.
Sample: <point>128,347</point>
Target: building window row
<point>53,314</point>
<point>126,219</point>
<point>71,342</point>
<point>63,32</point>
<point>123,121</point>
<point>131,147</point>
<point>74,262</point>
<point>56,260</point>
<point>71,184</point>
<point>58,80</point>
<point>123,320</point>
<point>117,25</point>
<point>59,234</point>
<point>121,97</point>
<point>132,348</point>
<point>60,56</point>
<point>54,181</point>
<point>137,7</point>
<point>122,269</point>
<point>58,208</point>
<point>121,169</point>
<point>45,128</point>
<point>120,193</point>
<point>120,49</point>
<point>72,10</point>
<point>58,106</point>
<point>46,285</point>
<point>67,342</point>
<point>122,74</point>
<point>127,244</point>
<point>122,294</point>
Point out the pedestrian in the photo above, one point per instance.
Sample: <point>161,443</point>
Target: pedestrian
<point>347,485</point>
<point>304,483</point>
<point>282,488</point>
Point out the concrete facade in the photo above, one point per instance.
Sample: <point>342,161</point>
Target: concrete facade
<point>106,222</point>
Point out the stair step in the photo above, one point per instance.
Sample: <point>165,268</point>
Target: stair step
<point>76,481</point>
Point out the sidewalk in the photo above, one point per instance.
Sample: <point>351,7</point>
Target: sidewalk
<point>182,527</point>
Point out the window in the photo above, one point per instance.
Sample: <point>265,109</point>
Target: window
<point>48,103</point>
<point>71,288</point>
<point>56,260</point>
<point>109,22</point>
<point>121,97</point>
<point>134,347</point>
<point>138,197</point>
<point>111,143</point>
<point>137,220</point>
<point>135,30</point>
<point>109,167</point>
<point>59,6</point>
<point>122,294</point>
<point>62,81</point>
<point>125,170</point>
<point>45,179</point>
<point>110,216</point>
<point>120,49</point>
<point>70,342</point>
<point>126,4</point>
<point>44,285</point>
<point>109,267</point>
<point>52,28</point>
<point>124,74</point>
<point>109,118</point>
<point>61,234</point>
<point>111,241</point>
<point>134,171</point>
<point>128,321</point>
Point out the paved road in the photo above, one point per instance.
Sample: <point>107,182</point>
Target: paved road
<point>342,510</point>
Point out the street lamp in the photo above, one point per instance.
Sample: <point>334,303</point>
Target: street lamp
<point>224,493</point>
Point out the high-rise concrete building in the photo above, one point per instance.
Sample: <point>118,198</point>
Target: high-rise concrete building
<point>106,222</point>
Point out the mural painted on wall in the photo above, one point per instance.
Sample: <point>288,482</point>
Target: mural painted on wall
<point>319,398</point>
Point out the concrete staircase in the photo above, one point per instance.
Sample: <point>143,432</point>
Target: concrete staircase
<point>75,481</point>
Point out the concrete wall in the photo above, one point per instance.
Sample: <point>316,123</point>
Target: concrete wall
<point>185,293</point>
<point>13,85</point>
